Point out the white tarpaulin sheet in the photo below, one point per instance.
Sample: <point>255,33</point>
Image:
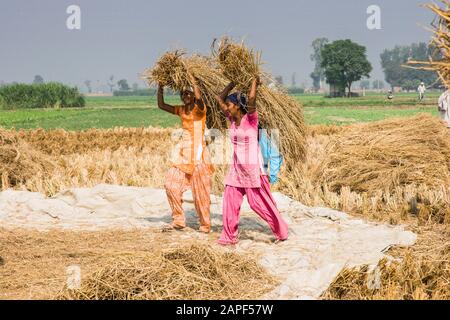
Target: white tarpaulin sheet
<point>321,243</point>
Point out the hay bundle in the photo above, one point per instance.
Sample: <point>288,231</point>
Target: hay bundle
<point>193,271</point>
<point>276,109</point>
<point>171,70</point>
<point>237,63</point>
<point>19,162</point>
<point>439,61</point>
<point>388,154</point>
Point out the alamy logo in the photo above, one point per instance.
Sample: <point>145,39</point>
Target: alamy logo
<point>374,19</point>
<point>374,279</point>
<point>73,274</point>
<point>73,22</point>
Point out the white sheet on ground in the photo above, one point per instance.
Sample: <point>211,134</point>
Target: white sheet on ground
<point>322,241</point>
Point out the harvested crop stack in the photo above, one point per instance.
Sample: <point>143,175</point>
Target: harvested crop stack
<point>276,109</point>
<point>440,60</point>
<point>235,62</point>
<point>388,154</point>
<point>171,71</point>
<point>193,271</point>
<point>19,162</point>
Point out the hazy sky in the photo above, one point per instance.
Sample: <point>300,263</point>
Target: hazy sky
<point>124,37</point>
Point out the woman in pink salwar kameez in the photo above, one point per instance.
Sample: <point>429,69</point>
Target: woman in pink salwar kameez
<point>246,175</point>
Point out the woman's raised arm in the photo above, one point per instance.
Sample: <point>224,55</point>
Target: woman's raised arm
<point>223,96</point>
<point>161,104</point>
<point>252,95</point>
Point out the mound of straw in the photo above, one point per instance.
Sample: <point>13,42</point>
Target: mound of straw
<point>418,273</point>
<point>389,154</point>
<point>190,272</point>
<point>439,61</point>
<point>19,162</point>
<point>410,279</point>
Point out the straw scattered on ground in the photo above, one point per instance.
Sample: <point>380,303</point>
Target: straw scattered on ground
<point>190,272</point>
<point>141,264</point>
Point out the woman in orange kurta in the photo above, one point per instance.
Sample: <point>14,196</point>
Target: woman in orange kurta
<point>191,167</point>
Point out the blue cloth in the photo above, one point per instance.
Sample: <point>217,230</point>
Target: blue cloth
<point>238,99</point>
<point>271,155</point>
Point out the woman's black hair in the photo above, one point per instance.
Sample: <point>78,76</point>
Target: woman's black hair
<point>240,100</point>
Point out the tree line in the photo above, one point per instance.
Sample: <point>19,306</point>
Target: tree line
<point>343,62</point>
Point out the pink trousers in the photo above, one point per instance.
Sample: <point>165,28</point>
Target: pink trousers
<point>260,201</point>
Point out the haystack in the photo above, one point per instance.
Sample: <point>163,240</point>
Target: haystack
<point>19,162</point>
<point>237,63</point>
<point>193,271</point>
<point>171,71</point>
<point>439,61</point>
<point>388,154</point>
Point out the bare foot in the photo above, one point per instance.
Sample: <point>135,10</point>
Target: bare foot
<point>205,231</point>
<point>171,227</point>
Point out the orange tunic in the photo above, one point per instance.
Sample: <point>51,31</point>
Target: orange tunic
<point>193,149</point>
<point>191,170</point>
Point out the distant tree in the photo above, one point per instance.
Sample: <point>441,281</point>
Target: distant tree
<point>135,86</point>
<point>293,81</point>
<point>364,84</point>
<point>410,85</point>
<point>123,85</point>
<point>393,62</point>
<point>377,85</point>
<point>111,83</point>
<point>88,85</point>
<point>318,75</point>
<point>345,62</point>
<point>38,79</point>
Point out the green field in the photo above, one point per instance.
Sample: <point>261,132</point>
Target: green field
<point>108,112</point>
<point>308,100</point>
<point>370,100</point>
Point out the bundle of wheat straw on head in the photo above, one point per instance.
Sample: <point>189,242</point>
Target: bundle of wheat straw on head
<point>172,71</point>
<point>277,111</point>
